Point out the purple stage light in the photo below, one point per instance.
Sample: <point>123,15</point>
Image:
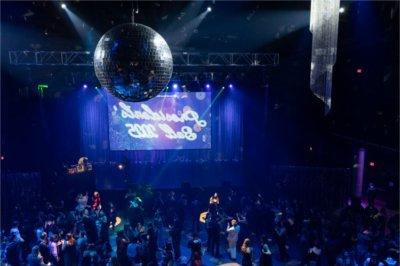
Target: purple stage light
<point>230,86</point>
<point>208,86</point>
<point>85,86</point>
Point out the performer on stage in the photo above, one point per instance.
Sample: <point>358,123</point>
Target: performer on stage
<point>96,201</point>
<point>233,232</point>
<point>214,199</point>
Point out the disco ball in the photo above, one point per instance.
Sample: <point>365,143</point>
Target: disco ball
<point>133,62</point>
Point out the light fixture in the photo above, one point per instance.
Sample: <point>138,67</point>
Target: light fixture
<point>63,6</point>
<point>209,9</point>
<point>342,10</point>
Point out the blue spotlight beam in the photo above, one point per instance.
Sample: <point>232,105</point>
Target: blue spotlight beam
<point>212,102</point>
<point>85,31</point>
<point>181,36</point>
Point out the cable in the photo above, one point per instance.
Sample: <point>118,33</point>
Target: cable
<point>133,13</point>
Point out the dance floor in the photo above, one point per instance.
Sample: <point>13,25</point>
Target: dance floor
<point>209,260</point>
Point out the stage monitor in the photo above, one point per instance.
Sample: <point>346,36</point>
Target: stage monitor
<point>172,120</point>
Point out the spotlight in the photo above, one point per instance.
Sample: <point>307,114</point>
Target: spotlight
<point>209,9</point>
<point>208,86</point>
<point>359,70</point>
<point>63,6</point>
<point>85,86</point>
<point>120,166</point>
<point>372,164</point>
<point>342,10</point>
<point>230,86</point>
<point>175,86</point>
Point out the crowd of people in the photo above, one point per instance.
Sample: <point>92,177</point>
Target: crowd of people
<point>153,228</point>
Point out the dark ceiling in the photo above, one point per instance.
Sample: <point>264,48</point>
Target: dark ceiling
<point>365,106</point>
<point>231,26</point>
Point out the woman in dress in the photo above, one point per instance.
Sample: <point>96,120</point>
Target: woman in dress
<point>69,250</point>
<point>96,201</point>
<point>233,230</point>
<point>266,255</point>
<point>247,253</point>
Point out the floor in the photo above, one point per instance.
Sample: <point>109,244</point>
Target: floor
<point>208,260</point>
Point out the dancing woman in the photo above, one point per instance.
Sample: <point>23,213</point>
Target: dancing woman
<point>233,230</point>
<point>247,252</point>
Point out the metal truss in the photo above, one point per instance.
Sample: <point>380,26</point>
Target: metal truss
<point>181,59</point>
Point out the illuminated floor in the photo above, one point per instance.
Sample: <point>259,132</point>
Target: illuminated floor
<point>207,259</point>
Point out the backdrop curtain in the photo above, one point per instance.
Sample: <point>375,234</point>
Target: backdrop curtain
<point>227,133</point>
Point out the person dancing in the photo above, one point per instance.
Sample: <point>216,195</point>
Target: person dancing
<point>247,252</point>
<point>233,230</point>
<point>266,255</point>
<point>214,199</point>
<point>96,201</point>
